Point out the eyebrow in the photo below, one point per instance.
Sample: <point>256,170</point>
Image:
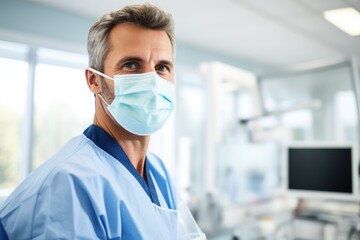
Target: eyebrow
<point>138,59</point>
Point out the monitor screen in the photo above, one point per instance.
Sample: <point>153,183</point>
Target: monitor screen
<point>321,169</point>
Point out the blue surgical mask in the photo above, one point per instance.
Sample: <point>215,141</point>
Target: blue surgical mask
<point>142,103</point>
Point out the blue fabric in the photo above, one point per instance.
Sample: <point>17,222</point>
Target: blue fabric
<point>86,192</point>
<point>106,142</point>
<point>3,235</point>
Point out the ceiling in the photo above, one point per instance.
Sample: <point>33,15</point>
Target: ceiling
<point>275,33</point>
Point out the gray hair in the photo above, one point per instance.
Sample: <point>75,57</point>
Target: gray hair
<point>144,15</point>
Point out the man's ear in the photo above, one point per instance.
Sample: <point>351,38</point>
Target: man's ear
<point>93,81</point>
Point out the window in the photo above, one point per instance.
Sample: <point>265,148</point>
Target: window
<point>61,106</point>
<point>13,82</point>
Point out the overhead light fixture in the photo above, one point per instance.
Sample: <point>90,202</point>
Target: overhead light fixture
<point>347,19</point>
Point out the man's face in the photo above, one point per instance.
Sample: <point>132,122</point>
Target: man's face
<point>134,49</point>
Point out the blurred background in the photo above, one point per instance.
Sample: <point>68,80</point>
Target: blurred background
<point>260,86</point>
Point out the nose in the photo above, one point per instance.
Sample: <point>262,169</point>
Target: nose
<point>148,67</point>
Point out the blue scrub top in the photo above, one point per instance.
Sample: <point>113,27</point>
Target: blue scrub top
<point>90,190</point>
<point>107,143</point>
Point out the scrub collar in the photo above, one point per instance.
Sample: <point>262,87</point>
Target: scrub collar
<point>107,143</point>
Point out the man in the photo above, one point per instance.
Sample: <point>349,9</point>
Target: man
<point>104,184</point>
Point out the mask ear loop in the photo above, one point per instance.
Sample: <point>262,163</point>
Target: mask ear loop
<point>103,100</point>
<point>103,75</point>
<point>99,73</point>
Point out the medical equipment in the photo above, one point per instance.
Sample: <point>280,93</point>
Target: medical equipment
<point>321,170</point>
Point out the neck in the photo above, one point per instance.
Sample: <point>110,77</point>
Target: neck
<point>134,146</point>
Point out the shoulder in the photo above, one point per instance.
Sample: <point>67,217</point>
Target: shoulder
<point>46,190</point>
<point>47,174</point>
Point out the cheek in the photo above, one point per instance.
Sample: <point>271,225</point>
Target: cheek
<point>107,90</point>
<point>169,77</point>
<point>172,80</point>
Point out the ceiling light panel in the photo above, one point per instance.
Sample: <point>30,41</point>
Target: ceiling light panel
<point>347,19</point>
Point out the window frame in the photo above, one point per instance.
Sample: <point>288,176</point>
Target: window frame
<point>30,54</point>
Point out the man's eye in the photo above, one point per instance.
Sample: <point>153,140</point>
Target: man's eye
<point>161,68</point>
<point>130,65</point>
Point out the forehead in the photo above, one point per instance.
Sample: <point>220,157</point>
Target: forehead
<point>128,38</point>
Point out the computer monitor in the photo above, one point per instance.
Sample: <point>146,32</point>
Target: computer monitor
<point>321,170</point>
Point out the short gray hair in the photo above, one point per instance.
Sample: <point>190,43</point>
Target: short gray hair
<point>144,15</point>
